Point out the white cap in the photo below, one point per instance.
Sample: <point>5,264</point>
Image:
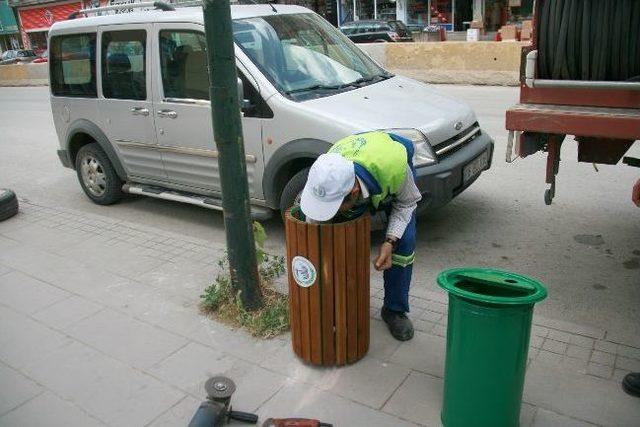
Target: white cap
<point>331,179</point>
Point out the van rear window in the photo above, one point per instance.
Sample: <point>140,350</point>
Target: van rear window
<point>72,69</point>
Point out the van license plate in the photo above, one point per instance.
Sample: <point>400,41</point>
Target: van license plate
<point>476,166</point>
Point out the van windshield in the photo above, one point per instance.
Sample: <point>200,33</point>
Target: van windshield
<point>304,56</point>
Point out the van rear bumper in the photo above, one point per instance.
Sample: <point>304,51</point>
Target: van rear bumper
<point>441,182</point>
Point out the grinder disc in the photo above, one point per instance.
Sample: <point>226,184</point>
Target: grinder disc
<point>219,387</point>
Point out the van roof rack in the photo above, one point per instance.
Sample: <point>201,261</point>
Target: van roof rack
<point>160,5</point>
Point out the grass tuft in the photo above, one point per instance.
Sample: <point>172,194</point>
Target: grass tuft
<point>222,302</point>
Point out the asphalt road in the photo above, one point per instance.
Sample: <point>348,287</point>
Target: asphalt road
<point>585,247</point>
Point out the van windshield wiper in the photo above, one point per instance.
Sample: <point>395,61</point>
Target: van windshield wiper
<point>318,87</point>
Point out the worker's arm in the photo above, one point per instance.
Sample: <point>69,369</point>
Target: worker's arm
<point>403,206</point>
<point>635,194</point>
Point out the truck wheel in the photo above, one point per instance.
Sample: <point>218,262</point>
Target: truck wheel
<point>293,189</point>
<point>97,176</point>
<point>8,204</point>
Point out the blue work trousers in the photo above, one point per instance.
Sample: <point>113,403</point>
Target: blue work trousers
<point>397,279</point>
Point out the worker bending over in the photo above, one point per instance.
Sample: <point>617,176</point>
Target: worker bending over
<point>373,170</point>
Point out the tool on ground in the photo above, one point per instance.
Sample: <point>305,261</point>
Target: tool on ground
<point>216,411</point>
<point>294,422</point>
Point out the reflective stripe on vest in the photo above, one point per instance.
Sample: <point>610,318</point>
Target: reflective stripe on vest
<point>384,158</point>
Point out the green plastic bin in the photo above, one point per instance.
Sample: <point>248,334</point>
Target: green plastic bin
<point>487,343</point>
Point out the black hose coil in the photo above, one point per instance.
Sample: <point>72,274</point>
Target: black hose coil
<point>589,40</point>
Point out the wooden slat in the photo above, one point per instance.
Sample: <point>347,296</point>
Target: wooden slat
<point>301,229</point>
<point>326,275</point>
<point>340,293</point>
<point>352,292</point>
<point>313,252</point>
<point>362,260</point>
<point>294,311</point>
<point>367,275</point>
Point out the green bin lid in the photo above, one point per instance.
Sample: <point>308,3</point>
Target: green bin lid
<point>492,286</point>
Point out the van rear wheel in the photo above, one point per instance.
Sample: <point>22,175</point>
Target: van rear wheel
<point>292,191</point>
<point>97,176</point>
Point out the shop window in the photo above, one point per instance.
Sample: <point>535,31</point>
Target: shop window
<point>123,64</point>
<point>183,64</point>
<point>73,65</point>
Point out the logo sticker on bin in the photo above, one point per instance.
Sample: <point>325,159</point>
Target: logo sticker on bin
<point>304,272</point>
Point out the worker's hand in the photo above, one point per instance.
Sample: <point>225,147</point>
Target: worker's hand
<point>635,194</point>
<point>384,258</point>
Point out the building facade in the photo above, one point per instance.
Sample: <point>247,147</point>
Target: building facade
<point>9,33</point>
<point>453,15</point>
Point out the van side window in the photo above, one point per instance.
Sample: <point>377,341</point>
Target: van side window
<point>183,64</point>
<point>72,65</point>
<point>123,64</point>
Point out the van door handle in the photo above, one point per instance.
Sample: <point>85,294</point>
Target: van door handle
<point>167,113</point>
<point>140,111</point>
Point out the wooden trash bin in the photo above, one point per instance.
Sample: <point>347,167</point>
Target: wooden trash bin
<point>329,289</point>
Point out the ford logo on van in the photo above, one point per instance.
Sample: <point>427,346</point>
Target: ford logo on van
<point>458,126</point>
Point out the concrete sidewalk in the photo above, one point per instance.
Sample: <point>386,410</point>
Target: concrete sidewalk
<point>99,326</point>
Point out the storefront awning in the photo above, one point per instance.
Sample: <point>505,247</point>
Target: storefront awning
<point>8,23</point>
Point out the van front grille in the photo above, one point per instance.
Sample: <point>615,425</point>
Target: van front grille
<point>453,144</point>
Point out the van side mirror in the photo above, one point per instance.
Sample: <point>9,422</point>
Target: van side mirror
<point>245,104</point>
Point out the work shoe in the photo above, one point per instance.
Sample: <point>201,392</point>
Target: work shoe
<point>399,324</point>
<point>631,384</point>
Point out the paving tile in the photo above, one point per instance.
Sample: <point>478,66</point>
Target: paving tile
<point>48,410</point>
<point>424,353</point>
<point>181,413</point>
<point>554,346</point>
<point>381,344</point>
<point>586,397</point>
<point>431,316</point>
<point>106,388</point>
<point>368,381</point>
<point>631,352</point>
<point>419,399</point>
<point>192,365</point>
<point>536,341</point>
<point>602,358</point>
<point>619,374</point>
<point>602,371</point>
<point>20,335</point>
<point>545,418</point>
<point>303,401</point>
<point>125,338</point>
<point>570,327</point>
<point>15,389</point>
<point>26,294</point>
<point>63,272</point>
<point>579,352</point>
<point>68,311</point>
<point>540,331</point>
<point>581,341</point>
<point>623,337</point>
<point>560,336</point>
<point>527,414</point>
<point>45,238</point>
<point>125,260</point>
<point>628,364</point>
<point>182,278</point>
<point>609,347</point>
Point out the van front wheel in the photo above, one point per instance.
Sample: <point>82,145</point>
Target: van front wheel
<point>97,176</point>
<point>292,191</point>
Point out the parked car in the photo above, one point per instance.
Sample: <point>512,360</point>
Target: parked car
<point>17,57</point>
<point>44,57</point>
<point>371,31</point>
<point>130,103</point>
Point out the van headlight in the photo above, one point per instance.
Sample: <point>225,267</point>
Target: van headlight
<point>424,154</point>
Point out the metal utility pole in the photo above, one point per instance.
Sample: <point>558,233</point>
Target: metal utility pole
<point>227,133</point>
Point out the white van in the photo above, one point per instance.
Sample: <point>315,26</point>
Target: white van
<point>130,103</point>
